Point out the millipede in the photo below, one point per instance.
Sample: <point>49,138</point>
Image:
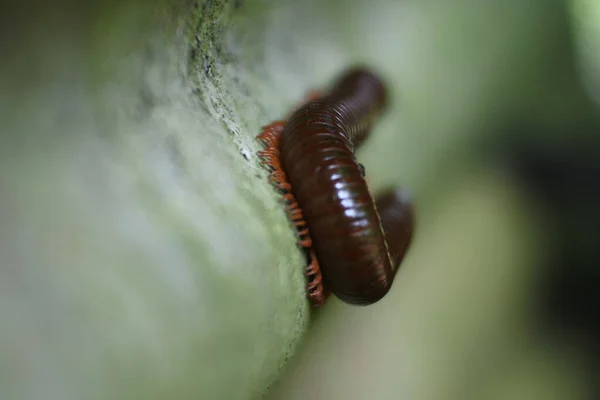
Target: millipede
<point>354,244</point>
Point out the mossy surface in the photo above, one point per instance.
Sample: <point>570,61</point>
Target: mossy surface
<point>144,256</point>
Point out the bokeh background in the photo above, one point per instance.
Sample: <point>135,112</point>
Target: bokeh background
<point>493,129</point>
<point>145,255</point>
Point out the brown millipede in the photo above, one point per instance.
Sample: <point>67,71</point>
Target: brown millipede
<point>354,250</point>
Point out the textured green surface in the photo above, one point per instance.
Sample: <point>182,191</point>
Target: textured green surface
<point>144,254</point>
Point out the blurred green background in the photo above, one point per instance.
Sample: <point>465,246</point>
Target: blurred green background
<point>144,254</point>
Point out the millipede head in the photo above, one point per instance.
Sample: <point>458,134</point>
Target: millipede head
<point>396,210</point>
<point>362,79</point>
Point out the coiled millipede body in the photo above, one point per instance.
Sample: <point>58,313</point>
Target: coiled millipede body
<point>354,244</point>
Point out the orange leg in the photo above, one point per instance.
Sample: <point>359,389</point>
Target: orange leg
<point>314,287</point>
<point>270,156</point>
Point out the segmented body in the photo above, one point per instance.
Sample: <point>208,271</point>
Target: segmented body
<point>313,163</point>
